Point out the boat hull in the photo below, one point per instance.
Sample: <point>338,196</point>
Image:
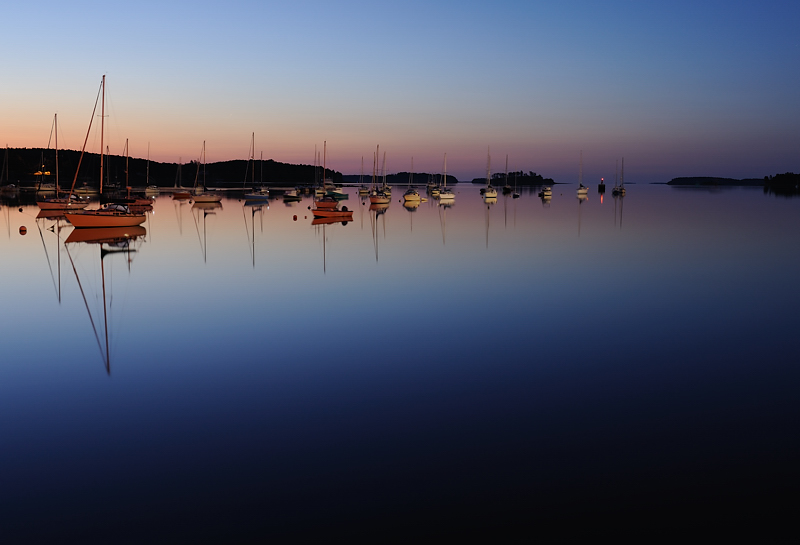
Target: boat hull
<point>60,204</point>
<point>99,218</point>
<point>328,213</point>
<point>207,198</point>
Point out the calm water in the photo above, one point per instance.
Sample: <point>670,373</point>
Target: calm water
<point>479,367</point>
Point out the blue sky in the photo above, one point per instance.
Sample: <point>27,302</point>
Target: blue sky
<point>681,88</point>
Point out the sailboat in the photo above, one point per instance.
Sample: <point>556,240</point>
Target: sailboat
<point>507,187</point>
<point>7,189</point>
<point>110,215</point>
<point>260,194</point>
<point>179,192</point>
<point>619,190</point>
<point>582,189</point>
<point>200,194</point>
<point>149,189</point>
<point>489,191</point>
<point>363,190</point>
<point>137,202</point>
<point>411,194</point>
<point>329,188</point>
<point>70,202</point>
<point>378,195</point>
<point>445,195</point>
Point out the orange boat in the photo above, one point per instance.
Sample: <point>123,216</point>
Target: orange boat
<point>343,214</point>
<point>327,203</point>
<point>111,215</point>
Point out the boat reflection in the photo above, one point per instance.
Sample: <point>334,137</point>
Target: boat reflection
<point>206,209</point>
<point>581,197</point>
<point>324,222</point>
<point>256,207</point>
<point>377,210</point>
<point>110,241</point>
<point>59,222</point>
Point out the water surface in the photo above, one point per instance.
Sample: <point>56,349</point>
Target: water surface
<point>483,366</point>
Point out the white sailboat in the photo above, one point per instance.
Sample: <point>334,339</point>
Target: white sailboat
<point>377,195</point>
<point>255,194</point>
<point>582,189</point>
<point>201,195</point>
<point>411,194</point>
<point>445,195</point>
<point>70,202</point>
<point>489,191</point>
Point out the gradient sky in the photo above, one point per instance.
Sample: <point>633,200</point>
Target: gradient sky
<point>678,88</point>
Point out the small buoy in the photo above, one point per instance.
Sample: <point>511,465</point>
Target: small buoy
<point>23,230</point>
<point>294,217</point>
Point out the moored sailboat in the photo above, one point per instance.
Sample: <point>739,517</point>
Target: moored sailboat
<point>70,202</point>
<point>200,193</point>
<point>445,195</point>
<point>582,189</point>
<point>489,191</point>
<point>411,194</point>
<point>111,215</point>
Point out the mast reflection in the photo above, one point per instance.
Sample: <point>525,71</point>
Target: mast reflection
<point>110,241</point>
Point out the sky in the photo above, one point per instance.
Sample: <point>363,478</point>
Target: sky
<point>681,88</point>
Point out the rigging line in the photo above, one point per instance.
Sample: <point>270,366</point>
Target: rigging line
<point>86,303</point>
<point>249,242</point>
<point>47,255</point>
<point>88,131</point>
<point>51,132</point>
<point>197,228</point>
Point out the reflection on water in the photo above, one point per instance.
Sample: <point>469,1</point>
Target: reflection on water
<point>471,365</point>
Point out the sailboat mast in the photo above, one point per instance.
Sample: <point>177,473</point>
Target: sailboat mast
<point>488,164</point>
<point>127,175</point>
<point>580,169</point>
<point>102,127</point>
<point>147,173</point>
<point>55,122</point>
<point>83,149</point>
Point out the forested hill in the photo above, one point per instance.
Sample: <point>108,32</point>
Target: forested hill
<point>519,178</point>
<point>25,165</point>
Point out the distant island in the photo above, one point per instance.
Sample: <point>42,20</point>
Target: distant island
<point>519,178</point>
<point>786,184</point>
<point>709,180</point>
